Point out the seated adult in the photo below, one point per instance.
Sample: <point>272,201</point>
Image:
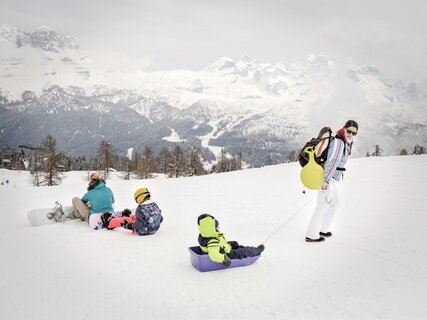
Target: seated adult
<point>98,199</point>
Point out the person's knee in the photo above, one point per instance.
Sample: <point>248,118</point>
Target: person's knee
<point>75,200</point>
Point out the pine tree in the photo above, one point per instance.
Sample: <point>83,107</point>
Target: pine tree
<point>125,168</point>
<point>81,163</point>
<point>195,162</point>
<point>128,167</point>
<point>235,163</point>
<point>418,150</point>
<point>146,164</point>
<point>213,169</point>
<point>403,152</point>
<point>292,156</point>
<point>36,168</point>
<point>269,160</point>
<point>164,160</point>
<point>6,157</point>
<point>178,163</point>
<point>223,164</point>
<point>377,152</point>
<point>48,164</point>
<point>105,156</point>
<point>135,163</point>
<point>239,159</point>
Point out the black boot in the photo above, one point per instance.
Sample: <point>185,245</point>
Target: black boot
<point>325,234</point>
<point>126,213</point>
<point>105,218</point>
<point>314,240</point>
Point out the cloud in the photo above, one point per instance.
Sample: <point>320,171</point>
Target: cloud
<point>189,34</point>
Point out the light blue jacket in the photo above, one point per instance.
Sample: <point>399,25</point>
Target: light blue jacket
<point>338,152</point>
<point>101,199</point>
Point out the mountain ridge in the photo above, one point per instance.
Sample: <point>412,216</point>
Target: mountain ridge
<point>241,105</point>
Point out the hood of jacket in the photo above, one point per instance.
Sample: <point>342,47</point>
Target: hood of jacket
<point>208,226</point>
<point>100,185</point>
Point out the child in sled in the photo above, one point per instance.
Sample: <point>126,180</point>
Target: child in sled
<point>147,218</point>
<point>212,242</point>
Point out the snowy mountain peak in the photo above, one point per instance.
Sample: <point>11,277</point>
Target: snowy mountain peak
<point>319,58</point>
<point>320,62</point>
<point>227,66</point>
<point>238,65</point>
<point>361,72</point>
<point>257,69</point>
<point>44,28</point>
<point>244,71</point>
<point>43,38</point>
<point>10,33</point>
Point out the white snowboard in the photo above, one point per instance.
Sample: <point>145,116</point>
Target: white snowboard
<point>41,217</point>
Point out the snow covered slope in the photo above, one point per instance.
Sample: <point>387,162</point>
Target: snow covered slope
<point>373,267</point>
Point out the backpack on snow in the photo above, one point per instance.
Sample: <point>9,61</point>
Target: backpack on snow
<point>320,147</point>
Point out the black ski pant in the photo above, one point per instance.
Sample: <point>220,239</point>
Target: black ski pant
<point>240,252</point>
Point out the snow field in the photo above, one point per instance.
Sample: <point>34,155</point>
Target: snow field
<point>373,267</point>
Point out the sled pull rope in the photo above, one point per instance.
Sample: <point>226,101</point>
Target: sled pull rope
<point>284,223</point>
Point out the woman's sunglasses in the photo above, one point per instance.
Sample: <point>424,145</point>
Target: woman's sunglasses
<point>352,132</point>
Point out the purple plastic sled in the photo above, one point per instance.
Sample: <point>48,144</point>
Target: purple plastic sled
<point>203,263</point>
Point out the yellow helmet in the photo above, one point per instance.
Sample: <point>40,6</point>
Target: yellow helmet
<point>141,195</point>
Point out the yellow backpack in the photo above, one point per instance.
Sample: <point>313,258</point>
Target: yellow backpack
<point>312,173</point>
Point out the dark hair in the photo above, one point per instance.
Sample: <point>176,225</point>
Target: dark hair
<point>351,123</point>
<point>94,183</point>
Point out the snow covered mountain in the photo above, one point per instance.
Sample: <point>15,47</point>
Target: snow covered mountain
<point>43,38</point>
<point>244,105</point>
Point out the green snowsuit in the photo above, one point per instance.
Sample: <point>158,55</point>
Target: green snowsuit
<point>211,241</point>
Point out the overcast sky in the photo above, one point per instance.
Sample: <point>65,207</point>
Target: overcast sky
<point>189,34</point>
